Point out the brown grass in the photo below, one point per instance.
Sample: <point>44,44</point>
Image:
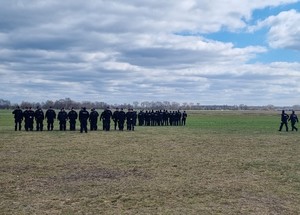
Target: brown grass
<point>166,170</point>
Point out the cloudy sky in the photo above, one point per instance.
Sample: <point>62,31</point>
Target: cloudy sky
<point>117,51</point>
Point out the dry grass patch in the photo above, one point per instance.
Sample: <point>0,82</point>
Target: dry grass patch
<point>154,170</point>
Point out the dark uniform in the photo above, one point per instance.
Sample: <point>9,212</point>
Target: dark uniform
<point>294,119</point>
<point>152,117</point>
<point>156,118</point>
<point>93,119</point>
<point>62,118</point>
<point>25,116</point>
<point>141,118</point>
<point>72,116</point>
<point>172,118</point>
<point>160,117</point>
<point>18,115</point>
<point>165,117</point>
<point>179,115</point>
<point>147,118</point>
<point>130,120</point>
<point>50,116</point>
<point>134,117</point>
<point>184,116</point>
<point>284,121</point>
<point>39,119</point>
<point>115,117</point>
<point>105,116</point>
<point>122,117</point>
<point>29,117</point>
<point>83,118</point>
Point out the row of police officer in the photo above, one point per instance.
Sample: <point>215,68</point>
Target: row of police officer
<point>119,117</point>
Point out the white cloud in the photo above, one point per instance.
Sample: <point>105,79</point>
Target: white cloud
<point>121,51</point>
<point>284,30</point>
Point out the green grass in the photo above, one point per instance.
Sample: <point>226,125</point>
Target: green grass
<point>220,163</point>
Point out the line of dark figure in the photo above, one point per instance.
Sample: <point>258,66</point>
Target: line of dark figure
<point>149,118</point>
<point>285,118</point>
<point>162,118</point>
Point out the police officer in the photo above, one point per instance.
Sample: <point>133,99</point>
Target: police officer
<point>294,119</point>
<point>134,113</point>
<point>39,118</point>
<point>122,117</point>
<point>115,117</point>
<point>284,121</point>
<point>130,119</point>
<point>141,118</point>
<point>172,118</point>
<point>50,116</point>
<point>105,116</point>
<point>179,115</point>
<point>62,118</point>
<point>18,115</point>
<point>72,116</point>
<point>152,117</point>
<point>184,116</point>
<point>165,117</point>
<point>83,118</point>
<point>147,118</point>
<point>25,116</point>
<point>93,119</point>
<point>156,118</point>
<point>29,118</point>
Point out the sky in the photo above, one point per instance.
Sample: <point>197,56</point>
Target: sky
<point>116,51</point>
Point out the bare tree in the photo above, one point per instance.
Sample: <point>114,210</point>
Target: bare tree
<point>135,104</point>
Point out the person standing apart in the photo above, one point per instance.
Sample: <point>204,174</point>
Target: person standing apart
<point>184,116</point>
<point>294,119</point>
<point>284,121</point>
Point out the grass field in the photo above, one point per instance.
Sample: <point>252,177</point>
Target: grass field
<point>220,163</point>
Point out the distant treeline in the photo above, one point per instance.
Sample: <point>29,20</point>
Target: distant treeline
<point>156,105</point>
